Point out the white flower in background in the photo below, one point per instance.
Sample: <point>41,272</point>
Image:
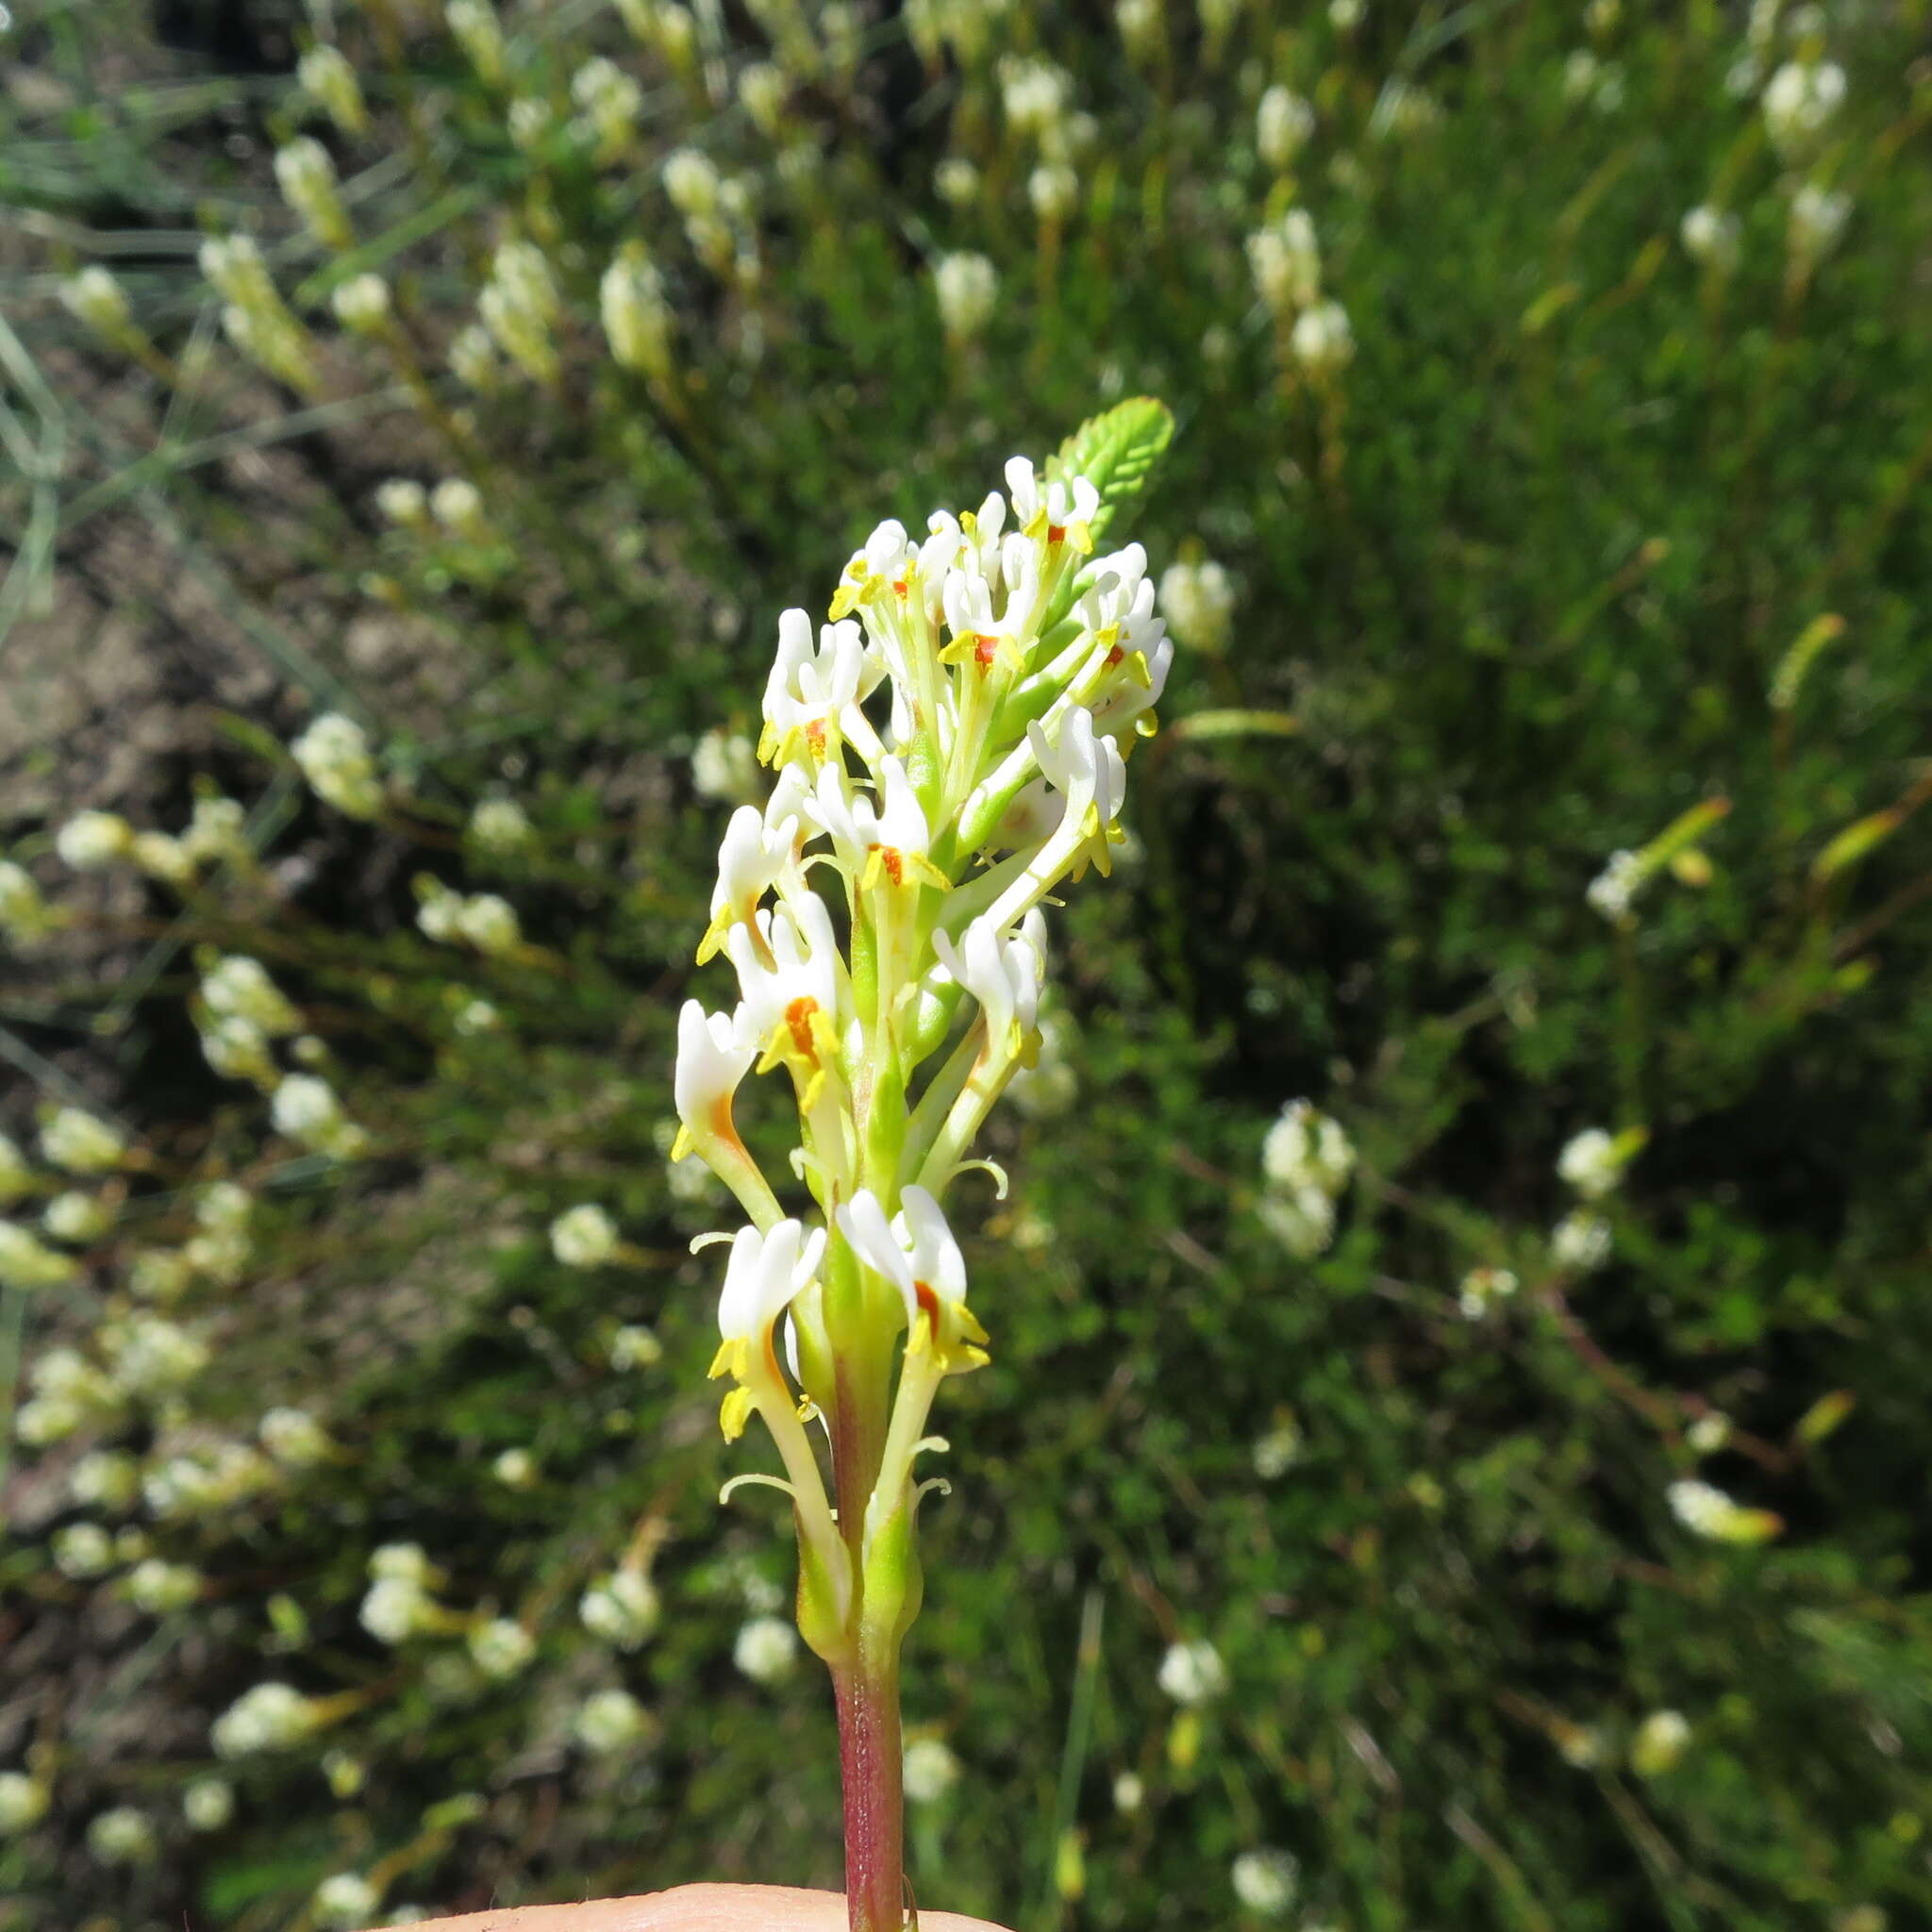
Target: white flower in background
<point>152,1356</point>
<point>1708,1433</point>
<point>26,1262</point>
<point>1818,219</point>
<point>395,1608</point>
<point>1306,1148</point>
<point>621,1609</point>
<point>531,118</point>
<point>1345,16</point>
<point>1265,1881</point>
<point>327,77</point>
<point>1198,601</point>
<point>161,1588</point>
<point>500,1648</point>
<point>610,1722</point>
<point>1613,889</point>
<point>930,1770</point>
<point>1800,101</point>
<point>98,301</point>
<point>521,308</point>
<point>489,924</point>
<point>766,1649</point>
<point>217,832</point>
<point>1590,1163</point>
<point>83,1550</point>
<point>1580,1242</point>
<point>966,286</point>
<point>1706,1511</point>
<point>163,857</point>
<point>475,1017</point>
<point>238,986</point>
<point>294,1437</point>
<point>402,501</point>
<point>724,766</point>
<point>1301,1219</point>
<point>1323,339</point>
<point>1582,1745</point>
<point>346,1901</point>
<point>79,1143</point>
<point>106,1480</point>
<point>121,1836</point>
<point>361,305</point>
<point>1129,1793</point>
<point>761,90</point>
<point>456,504</point>
<point>91,840</point>
<point>25,915</point>
<point>1033,94</point>
<point>691,182</point>
<point>334,757</point>
<point>583,1237</point>
<point>475,29</point>
<point>77,1217</point>
<point>515,1469</point>
<point>16,1177</point>
<point>208,1803</point>
<point>1053,188</point>
<point>305,1108</point>
<point>1192,1674</point>
<point>635,1346</point>
<point>1286,261</point>
<point>1283,123</point>
<point>610,102</point>
<point>473,360</point>
<point>406,1561</point>
<point>638,322</point>
<point>1660,1741</point>
<point>1483,1291</point>
<point>1710,235</point>
<point>306,178</point>
<point>22,1803</point>
<point>271,1717</point>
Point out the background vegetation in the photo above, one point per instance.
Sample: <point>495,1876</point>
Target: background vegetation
<point>1610,524</point>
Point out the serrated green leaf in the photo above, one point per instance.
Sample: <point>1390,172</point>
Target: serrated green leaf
<point>1116,452</point>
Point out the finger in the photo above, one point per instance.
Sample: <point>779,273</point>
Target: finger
<point>695,1909</point>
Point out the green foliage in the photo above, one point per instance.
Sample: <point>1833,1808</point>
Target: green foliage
<point>1544,574</point>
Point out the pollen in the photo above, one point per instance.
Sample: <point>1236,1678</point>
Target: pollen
<point>798,1017</point>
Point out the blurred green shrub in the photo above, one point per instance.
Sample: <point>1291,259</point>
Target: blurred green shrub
<point>1544,761</point>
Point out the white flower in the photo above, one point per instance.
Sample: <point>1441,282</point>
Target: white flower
<point>1306,1148</point>
<point>966,286</point>
<point>635,1347</point>
<point>725,765</point>
<point>1192,1674</point>
<point>106,1480</point>
<point>1708,1433</point>
<point>1086,767</point>
<point>691,182</point>
<point>584,1237</point>
<point>764,1273</point>
<point>500,1648</point>
<point>1283,123</point>
<point>22,1803</point>
<point>1708,1512</point>
<point>1034,93</point>
<point>361,305</point>
<point>1800,100</point>
<point>334,757</point>
<point>1286,262</point>
<point>766,1649</point>
<point>345,1900</point>
<point>622,1608</point>
<point>917,1253</point>
<point>1613,889</point>
<point>1277,1452</point>
<point>1482,1288</point>
<point>161,1589</point>
<point>1661,1740</point>
<point>761,88</point>
<point>810,686</point>
<point>1323,340</point>
<point>305,1108</point>
<point>1053,188</point>
<point>121,1836</point>
<point>958,182</point>
<point>1818,219</point>
<point>25,915</point>
<point>95,298</point>
<point>79,1143</point>
<point>515,1469</point>
<point>638,322</point>
<point>1265,1881</point>
<point>208,1803</point>
<point>930,1770</point>
<point>1198,601</point>
<point>395,1609</point>
<point>403,1561</point>
<point>489,924</point>
<point>91,840</point>
<point>1129,1793</point>
<point>239,986</point>
<point>16,1177</point>
<point>611,100</point>
<point>609,1722</point>
<point>787,967</point>
<point>474,25</point>
<point>77,1217</point>
<point>217,832</point>
<point>28,1263</point>
<point>306,178</point>
<point>83,1550</point>
<point>500,825</point>
<point>713,1052</point>
<point>1710,235</point>
<point>1003,976</point>
<point>294,1437</point>
<point>325,76</point>
<point>1590,1163</point>
<point>153,1355</point>
<point>1580,1242</point>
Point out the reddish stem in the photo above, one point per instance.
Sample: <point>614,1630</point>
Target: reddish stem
<point>869,1768</point>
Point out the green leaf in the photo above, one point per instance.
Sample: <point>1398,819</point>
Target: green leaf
<point>1116,452</point>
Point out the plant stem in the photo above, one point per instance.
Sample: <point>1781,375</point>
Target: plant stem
<point>868,1694</point>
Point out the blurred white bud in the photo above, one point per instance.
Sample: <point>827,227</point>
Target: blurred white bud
<point>930,1770</point>
<point>1661,1740</point>
<point>1323,339</point>
<point>1590,1163</point>
<point>327,77</point>
<point>306,178</point>
<point>515,1469</point>
<point>294,1437</point>
<point>583,1237</point>
<point>83,1551</point>
<point>610,1722</point>
<point>362,303</point>
<point>489,924</point>
<point>1265,1881</point>
<point>91,840</point>
<point>25,915</point>
<point>1800,101</point>
<point>1580,1242</point>
<point>967,288</point>
<point>76,1218</point>
<point>106,1480</point>
<point>500,1648</point>
<point>22,1803</point>
<point>957,182</point>
<point>456,504</point>
<point>345,1900</point>
<point>161,1589</point>
<point>1192,1674</point>
<point>724,766</point>
<point>1053,188</point>
<point>79,1143</point>
<point>121,1836</point>
<point>1283,123</point>
<point>634,1346</point>
<point>26,1262</point>
<point>208,1803</point>
<point>637,319</point>
<point>477,31</point>
<point>622,1608</point>
<point>95,299</point>
<point>333,755</point>
<point>1710,235</point>
<point>1198,601</point>
<point>766,1649</point>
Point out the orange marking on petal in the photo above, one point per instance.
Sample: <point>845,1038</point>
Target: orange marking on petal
<point>798,1017</point>
<point>815,735</point>
<point>1114,657</point>
<point>893,863</point>
<point>929,1307</point>
<point>984,648</point>
<point>1055,533</point>
<point>899,585</point>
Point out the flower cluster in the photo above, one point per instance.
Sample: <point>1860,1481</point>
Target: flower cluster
<point>1307,1161</point>
<point>949,749</point>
